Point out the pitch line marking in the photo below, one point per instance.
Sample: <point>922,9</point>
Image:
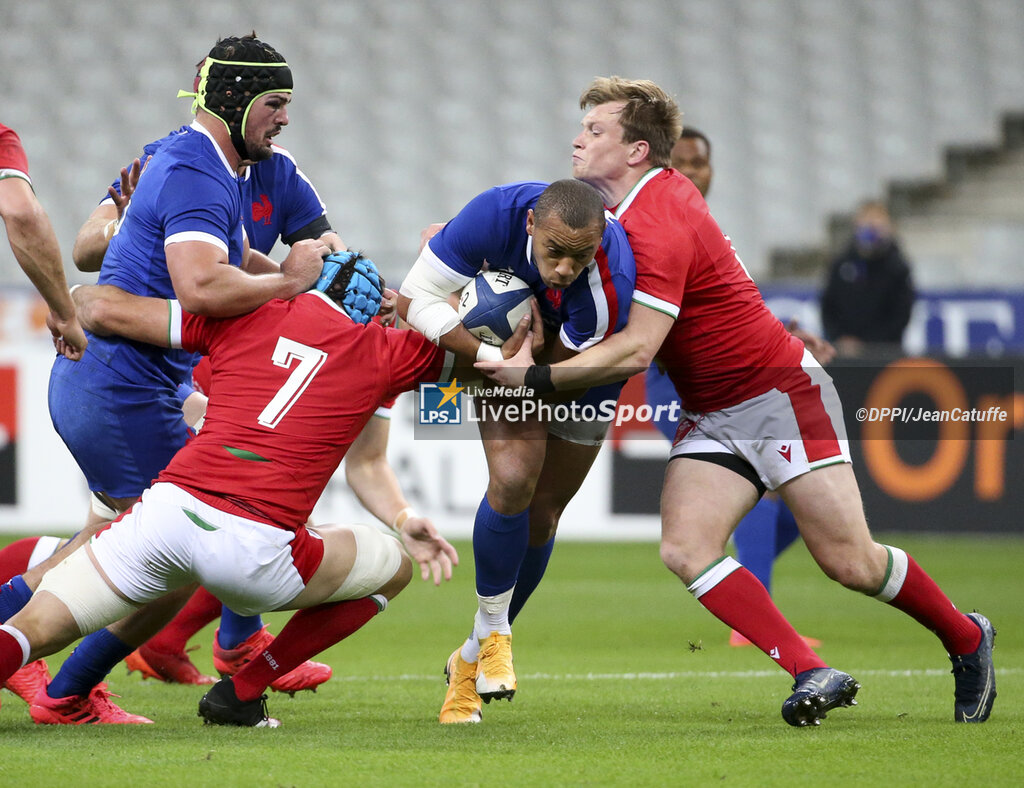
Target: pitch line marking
<point>686,674</point>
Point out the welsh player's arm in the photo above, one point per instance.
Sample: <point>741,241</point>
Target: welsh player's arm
<point>370,475</point>
<point>622,355</point>
<point>107,310</point>
<point>206,285</point>
<point>35,247</point>
<point>618,357</point>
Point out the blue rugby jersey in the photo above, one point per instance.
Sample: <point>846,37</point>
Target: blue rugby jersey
<point>492,228</point>
<point>281,202</point>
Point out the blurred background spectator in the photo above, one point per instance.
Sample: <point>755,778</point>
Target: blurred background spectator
<point>869,294</point>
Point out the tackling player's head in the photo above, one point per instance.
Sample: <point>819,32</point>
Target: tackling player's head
<point>246,84</point>
<point>566,224</point>
<point>644,112</point>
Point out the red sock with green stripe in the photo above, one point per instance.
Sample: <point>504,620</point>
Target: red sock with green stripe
<point>737,598</point>
<point>908,587</point>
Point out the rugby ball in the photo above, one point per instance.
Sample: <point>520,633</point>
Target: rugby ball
<point>492,305</point>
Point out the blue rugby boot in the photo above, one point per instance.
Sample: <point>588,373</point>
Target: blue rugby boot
<point>816,692</point>
<point>975,677</point>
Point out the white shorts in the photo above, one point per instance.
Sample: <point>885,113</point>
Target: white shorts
<point>781,434</point>
<point>585,433</point>
<point>171,538</point>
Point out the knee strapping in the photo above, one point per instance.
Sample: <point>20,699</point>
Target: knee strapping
<point>378,558</point>
<point>77,583</point>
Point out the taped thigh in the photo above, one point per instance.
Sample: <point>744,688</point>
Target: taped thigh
<point>77,583</point>
<point>378,557</point>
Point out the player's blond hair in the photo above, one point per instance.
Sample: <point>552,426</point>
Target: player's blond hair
<point>649,114</point>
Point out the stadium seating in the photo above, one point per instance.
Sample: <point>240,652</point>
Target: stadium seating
<point>404,110</point>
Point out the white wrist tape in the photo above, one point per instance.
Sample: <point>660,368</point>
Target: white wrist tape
<point>489,353</point>
<point>401,517</point>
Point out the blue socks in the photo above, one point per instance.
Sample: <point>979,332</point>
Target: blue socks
<point>786,531</point>
<point>755,540</point>
<point>499,545</point>
<point>530,573</point>
<point>767,530</point>
<point>234,629</point>
<point>88,664</point>
<point>14,595</point>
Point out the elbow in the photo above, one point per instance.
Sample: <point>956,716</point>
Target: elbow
<point>84,258</point>
<point>197,301</point>
<point>192,304</point>
<point>638,358</point>
<point>96,314</point>
<point>641,358</point>
<point>354,473</point>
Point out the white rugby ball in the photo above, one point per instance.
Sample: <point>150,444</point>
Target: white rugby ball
<point>492,305</point>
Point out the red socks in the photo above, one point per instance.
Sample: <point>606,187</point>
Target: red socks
<point>202,608</point>
<point>923,600</point>
<point>14,558</point>
<point>11,655</point>
<point>738,599</point>
<point>305,635</point>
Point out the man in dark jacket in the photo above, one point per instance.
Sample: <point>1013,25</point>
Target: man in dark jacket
<point>869,293</point>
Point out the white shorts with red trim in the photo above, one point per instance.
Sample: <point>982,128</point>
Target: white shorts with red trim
<point>783,433</point>
<point>171,538</point>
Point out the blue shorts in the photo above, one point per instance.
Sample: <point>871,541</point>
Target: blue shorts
<point>661,391</point>
<point>589,431</point>
<point>120,433</point>
<point>607,392</point>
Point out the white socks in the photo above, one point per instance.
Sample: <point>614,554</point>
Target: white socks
<point>491,616</point>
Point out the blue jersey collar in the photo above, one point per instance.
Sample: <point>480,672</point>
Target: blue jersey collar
<point>197,126</point>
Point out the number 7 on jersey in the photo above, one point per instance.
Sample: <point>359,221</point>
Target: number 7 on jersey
<point>285,354</point>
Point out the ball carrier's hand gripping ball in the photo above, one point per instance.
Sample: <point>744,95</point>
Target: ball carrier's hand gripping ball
<point>353,282</point>
<point>236,73</point>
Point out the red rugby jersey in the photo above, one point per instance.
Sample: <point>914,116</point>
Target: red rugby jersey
<point>725,346</point>
<point>294,381</point>
<point>12,154</point>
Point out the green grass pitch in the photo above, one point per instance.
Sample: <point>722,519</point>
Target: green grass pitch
<point>624,679</point>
